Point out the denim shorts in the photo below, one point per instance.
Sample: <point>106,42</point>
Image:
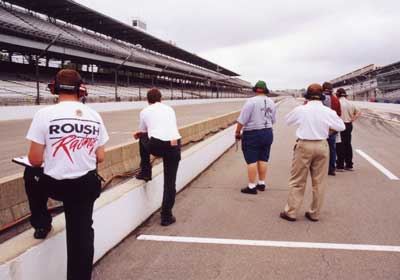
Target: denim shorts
<point>256,145</point>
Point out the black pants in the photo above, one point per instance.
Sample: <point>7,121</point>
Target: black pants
<point>171,156</point>
<point>344,149</point>
<point>78,196</point>
<point>37,198</point>
<point>332,151</point>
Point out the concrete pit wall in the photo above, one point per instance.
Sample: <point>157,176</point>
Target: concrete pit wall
<point>119,159</point>
<point>121,209</point>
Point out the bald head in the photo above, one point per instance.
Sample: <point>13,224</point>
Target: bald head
<point>314,89</point>
<point>314,92</point>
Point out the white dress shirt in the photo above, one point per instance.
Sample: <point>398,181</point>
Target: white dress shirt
<point>159,121</point>
<point>314,121</point>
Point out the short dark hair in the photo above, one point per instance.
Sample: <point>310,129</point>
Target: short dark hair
<point>341,92</point>
<point>66,78</point>
<point>327,86</point>
<point>154,95</point>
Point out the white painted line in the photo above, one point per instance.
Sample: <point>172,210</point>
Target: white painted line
<point>265,243</point>
<point>379,166</point>
<point>120,132</point>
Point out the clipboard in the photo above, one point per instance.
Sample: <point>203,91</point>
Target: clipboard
<point>24,161</point>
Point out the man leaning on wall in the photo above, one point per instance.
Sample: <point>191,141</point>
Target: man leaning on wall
<point>159,136</point>
<point>68,139</point>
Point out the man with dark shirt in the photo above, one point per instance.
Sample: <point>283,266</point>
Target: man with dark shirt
<point>331,101</point>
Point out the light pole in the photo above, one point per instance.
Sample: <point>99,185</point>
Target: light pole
<point>37,67</point>
<point>116,74</point>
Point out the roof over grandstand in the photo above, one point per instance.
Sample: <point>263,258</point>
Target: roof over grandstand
<point>77,14</point>
<point>388,74</point>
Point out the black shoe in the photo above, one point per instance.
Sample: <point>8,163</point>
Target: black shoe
<point>260,188</point>
<point>247,190</point>
<point>168,221</point>
<point>349,169</point>
<point>308,216</point>
<point>332,173</point>
<point>285,216</point>
<point>143,177</point>
<point>339,169</point>
<point>41,233</point>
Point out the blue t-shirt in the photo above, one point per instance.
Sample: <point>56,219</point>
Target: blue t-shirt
<point>258,113</point>
<point>327,102</point>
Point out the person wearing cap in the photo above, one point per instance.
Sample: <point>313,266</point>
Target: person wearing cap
<point>331,101</point>
<point>344,150</point>
<point>159,135</point>
<point>256,119</point>
<point>68,140</point>
<point>311,152</point>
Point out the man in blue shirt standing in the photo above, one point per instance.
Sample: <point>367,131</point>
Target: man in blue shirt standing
<point>331,101</point>
<point>256,120</point>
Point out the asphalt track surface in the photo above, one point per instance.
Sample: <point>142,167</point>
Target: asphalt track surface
<point>360,207</point>
<point>120,125</point>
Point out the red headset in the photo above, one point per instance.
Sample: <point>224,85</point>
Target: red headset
<point>260,90</point>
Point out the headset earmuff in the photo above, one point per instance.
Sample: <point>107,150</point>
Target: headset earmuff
<point>56,86</point>
<point>81,89</point>
<point>51,86</point>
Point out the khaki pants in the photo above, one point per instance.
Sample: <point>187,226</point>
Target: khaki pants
<point>308,156</point>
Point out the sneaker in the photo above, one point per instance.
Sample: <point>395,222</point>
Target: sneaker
<point>143,177</point>
<point>247,190</point>
<point>168,221</point>
<point>308,216</point>
<point>285,216</point>
<point>41,233</point>
<point>339,169</point>
<point>260,188</point>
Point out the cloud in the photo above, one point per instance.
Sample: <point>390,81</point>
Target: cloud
<point>318,51</point>
<point>288,43</point>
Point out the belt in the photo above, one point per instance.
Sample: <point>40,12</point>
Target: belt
<point>306,140</point>
<point>261,129</point>
<point>174,142</point>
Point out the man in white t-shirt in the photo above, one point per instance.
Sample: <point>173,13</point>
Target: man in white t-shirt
<point>159,136</point>
<point>68,140</point>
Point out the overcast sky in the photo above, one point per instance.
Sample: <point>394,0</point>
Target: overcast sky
<point>288,43</point>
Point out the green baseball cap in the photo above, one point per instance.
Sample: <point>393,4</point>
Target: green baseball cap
<point>261,85</point>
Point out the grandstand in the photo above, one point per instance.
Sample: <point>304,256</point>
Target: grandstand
<point>372,83</point>
<point>117,60</point>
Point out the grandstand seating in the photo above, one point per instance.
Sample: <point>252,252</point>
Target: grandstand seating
<point>28,24</point>
<point>21,89</point>
<point>393,96</point>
